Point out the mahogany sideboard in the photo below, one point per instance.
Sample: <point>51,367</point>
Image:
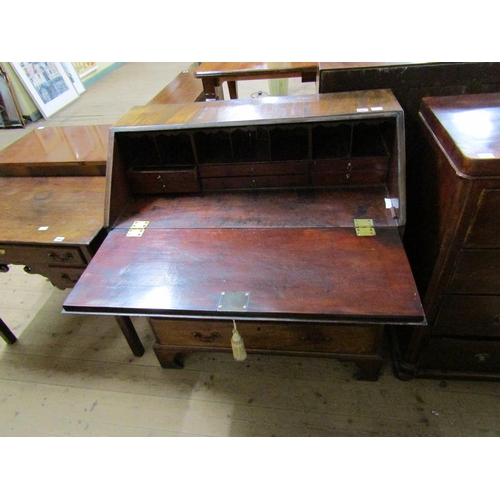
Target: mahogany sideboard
<point>283,214</point>
<point>458,264</point>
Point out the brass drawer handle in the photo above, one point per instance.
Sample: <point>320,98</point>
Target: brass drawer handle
<point>482,357</point>
<point>57,258</point>
<point>68,280</point>
<point>206,338</point>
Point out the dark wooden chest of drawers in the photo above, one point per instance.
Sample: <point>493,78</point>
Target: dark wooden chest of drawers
<point>457,265</point>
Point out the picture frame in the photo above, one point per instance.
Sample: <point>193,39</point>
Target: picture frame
<point>10,111</point>
<point>48,84</point>
<point>73,76</point>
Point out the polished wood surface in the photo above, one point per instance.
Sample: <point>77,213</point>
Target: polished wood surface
<point>261,209</point>
<point>263,110</point>
<point>457,267</point>
<point>213,74</point>
<point>185,87</point>
<point>316,274</point>
<point>69,207</point>
<point>468,127</point>
<point>58,151</point>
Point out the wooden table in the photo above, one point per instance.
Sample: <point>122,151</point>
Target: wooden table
<point>213,74</point>
<point>248,210</point>
<point>52,187</point>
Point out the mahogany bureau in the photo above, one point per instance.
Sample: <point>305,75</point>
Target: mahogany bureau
<point>281,214</point>
<point>458,264</point>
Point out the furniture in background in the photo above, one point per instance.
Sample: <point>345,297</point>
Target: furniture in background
<point>214,74</point>
<point>185,87</point>
<point>70,202</point>
<point>283,214</point>
<point>52,183</point>
<point>458,264</point>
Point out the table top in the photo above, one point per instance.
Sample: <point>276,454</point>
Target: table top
<point>40,209</point>
<point>468,127</point>
<point>324,66</point>
<point>58,151</point>
<point>253,69</point>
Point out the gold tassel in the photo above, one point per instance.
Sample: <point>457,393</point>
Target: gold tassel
<point>239,352</point>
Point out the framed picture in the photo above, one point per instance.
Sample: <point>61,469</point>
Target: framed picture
<point>10,112</point>
<point>73,76</point>
<point>48,84</point>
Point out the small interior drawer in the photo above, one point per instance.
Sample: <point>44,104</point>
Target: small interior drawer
<point>254,169</point>
<point>349,164</point>
<point>163,181</point>
<point>264,181</point>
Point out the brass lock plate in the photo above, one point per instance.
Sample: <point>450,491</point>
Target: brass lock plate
<point>233,301</point>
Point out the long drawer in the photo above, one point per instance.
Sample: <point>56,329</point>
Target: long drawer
<point>461,355</point>
<point>477,272</point>
<point>468,316</point>
<point>269,336</point>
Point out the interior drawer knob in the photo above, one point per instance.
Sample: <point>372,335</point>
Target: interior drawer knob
<point>482,357</point>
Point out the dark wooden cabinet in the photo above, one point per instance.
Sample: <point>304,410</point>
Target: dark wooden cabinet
<point>283,214</point>
<point>457,243</point>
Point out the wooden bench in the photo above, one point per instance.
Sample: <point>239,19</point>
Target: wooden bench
<point>185,87</point>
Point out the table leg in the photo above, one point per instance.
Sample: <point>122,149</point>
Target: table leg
<point>130,333</point>
<point>6,334</point>
<point>233,89</point>
<point>212,89</point>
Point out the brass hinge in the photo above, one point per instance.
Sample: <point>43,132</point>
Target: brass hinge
<point>364,227</point>
<point>137,228</point>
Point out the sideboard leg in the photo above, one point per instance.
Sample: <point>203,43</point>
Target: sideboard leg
<point>128,330</point>
<point>6,334</point>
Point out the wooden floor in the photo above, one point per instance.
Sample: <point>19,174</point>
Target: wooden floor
<point>73,375</point>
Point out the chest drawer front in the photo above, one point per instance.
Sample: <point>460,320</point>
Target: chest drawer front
<point>477,272</point>
<point>484,232</point>
<point>181,181</point>
<point>269,336</point>
<point>461,355</point>
<point>254,169</point>
<point>47,255</point>
<point>468,316</point>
